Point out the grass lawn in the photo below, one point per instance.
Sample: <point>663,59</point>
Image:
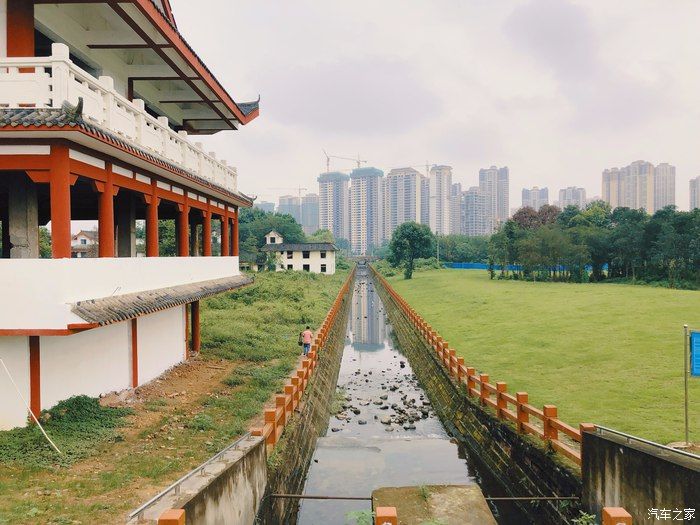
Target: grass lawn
<point>610,354</point>
<point>117,458</point>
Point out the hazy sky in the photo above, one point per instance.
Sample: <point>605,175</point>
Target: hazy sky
<point>557,90</point>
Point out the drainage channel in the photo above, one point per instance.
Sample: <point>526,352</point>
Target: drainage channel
<point>385,432</point>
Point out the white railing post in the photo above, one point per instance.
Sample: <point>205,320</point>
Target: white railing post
<point>184,146</point>
<point>60,74</point>
<point>107,83</point>
<point>164,137</point>
<point>140,105</point>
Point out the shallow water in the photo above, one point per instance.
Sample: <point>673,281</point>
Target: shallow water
<point>386,433</point>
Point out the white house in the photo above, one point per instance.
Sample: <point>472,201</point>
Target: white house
<point>84,244</point>
<point>316,257</point>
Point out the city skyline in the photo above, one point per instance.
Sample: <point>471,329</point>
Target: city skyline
<point>531,100</point>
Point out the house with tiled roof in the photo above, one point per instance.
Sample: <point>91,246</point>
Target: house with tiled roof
<point>315,257</point>
<point>100,107</point>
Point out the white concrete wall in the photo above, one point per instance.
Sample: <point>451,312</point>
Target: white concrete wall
<point>161,342</point>
<point>36,291</point>
<point>14,351</point>
<point>89,363</point>
<point>314,261</point>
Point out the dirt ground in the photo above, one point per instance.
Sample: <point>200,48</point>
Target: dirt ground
<point>173,398</point>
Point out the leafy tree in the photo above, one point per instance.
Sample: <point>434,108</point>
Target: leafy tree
<point>44,242</point>
<point>548,214</point>
<point>256,222</point>
<point>409,242</point>
<point>527,218</point>
<point>321,236</point>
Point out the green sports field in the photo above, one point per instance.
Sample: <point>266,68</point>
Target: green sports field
<point>603,353</point>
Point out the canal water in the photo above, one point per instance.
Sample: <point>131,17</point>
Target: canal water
<point>384,432</point>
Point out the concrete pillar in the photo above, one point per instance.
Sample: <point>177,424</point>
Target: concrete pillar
<point>23,219</point>
<point>126,225</point>
<point>194,220</point>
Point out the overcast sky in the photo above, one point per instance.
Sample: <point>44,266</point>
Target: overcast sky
<point>557,90</point>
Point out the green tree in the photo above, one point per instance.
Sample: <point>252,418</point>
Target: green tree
<point>409,242</point>
<point>321,236</point>
<point>44,242</point>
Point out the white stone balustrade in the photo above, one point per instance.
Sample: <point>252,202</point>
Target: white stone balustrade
<point>46,82</point>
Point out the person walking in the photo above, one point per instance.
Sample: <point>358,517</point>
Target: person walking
<point>305,338</point>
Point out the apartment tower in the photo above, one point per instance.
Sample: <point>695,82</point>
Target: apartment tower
<point>366,210</point>
<point>494,184</point>
<point>402,199</point>
<point>333,205</point>
<point>440,182</point>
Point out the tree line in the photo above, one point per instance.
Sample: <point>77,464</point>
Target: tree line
<point>598,243</point>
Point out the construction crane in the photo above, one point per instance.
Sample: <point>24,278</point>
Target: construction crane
<point>299,189</point>
<point>358,160</point>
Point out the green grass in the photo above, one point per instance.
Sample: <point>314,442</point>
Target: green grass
<point>603,353</point>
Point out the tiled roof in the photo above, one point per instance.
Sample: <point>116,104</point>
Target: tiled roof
<point>300,247</point>
<point>118,308</point>
<point>71,116</point>
<point>248,107</point>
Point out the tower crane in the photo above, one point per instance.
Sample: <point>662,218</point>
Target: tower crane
<point>358,160</point>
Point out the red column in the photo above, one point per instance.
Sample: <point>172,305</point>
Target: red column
<point>34,376</point>
<point>20,28</point>
<point>206,233</point>
<point>225,246</point>
<point>60,202</point>
<point>105,217</point>
<point>152,226</point>
<point>235,233</point>
<point>183,233</point>
<point>196,334</point>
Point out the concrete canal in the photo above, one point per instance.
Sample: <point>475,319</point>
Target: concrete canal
<point>384,431</point>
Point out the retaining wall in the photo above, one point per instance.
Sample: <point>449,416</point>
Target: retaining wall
<point>519,465</point>
<point>639,476</point>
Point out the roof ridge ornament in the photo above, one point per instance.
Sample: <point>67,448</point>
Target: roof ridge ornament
<point>74,113</point>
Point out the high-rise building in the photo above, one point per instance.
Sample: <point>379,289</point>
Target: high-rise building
<point>309,213</point>
<point>333,205</point>
<point>456,219</point>
<point>265,206</point>
<point>664,186</point>
<point>640,186</point>
<point>695,193</point>
<point>494,184</point>
<point>290,205</point>
<point>366,210</point>
<point>402,199</point>
<point>425,200</point>
<point>572,196</point>
<point>535,197</point>
<point>440,181</point>
<point>474,212</point>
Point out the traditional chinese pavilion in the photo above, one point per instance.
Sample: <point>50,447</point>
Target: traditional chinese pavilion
<point>99,101</point>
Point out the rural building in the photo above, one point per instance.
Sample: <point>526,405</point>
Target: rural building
<point>316,257</point>
<point>95,125</point>
<point>84,244</point>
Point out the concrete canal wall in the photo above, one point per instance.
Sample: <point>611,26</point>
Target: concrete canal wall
<point>519,464</point>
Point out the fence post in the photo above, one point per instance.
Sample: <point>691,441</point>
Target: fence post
<point>471,372</point>
<point>584,427</point>
<point>386,516</point>
<point>550,412</point>
<point>270,416</point>
<point>523,417</point>
<point>616,516</point>
<point>501,402</point>
<point>483,393</point>
<point>173,517</point>
<point>281,402</point>
<point>460,365</point>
